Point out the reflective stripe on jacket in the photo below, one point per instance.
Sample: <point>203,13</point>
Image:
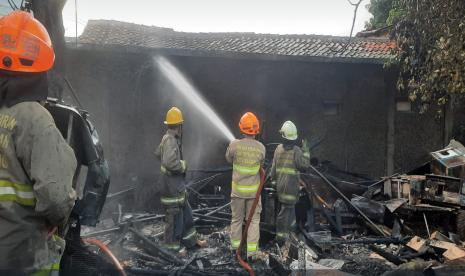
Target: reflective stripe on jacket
<point>15,192</point>
<point>246,156</point>
<point>287,161</point>
<point>173,201</point>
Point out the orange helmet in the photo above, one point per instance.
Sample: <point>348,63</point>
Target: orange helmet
<point>249,124</point>
<point>25,45</point>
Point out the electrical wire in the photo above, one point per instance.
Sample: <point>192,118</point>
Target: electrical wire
<point>12,5</point>
<point>76,19</point>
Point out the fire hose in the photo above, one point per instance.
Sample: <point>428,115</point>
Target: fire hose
<point>107,251</point>
<point>243,263</point>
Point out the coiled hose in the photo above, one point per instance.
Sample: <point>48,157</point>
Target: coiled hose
<point>243,263</point>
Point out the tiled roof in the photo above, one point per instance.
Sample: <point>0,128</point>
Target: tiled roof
<point>115,33</point>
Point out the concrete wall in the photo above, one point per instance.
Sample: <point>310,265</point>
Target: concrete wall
<point>128,97</point>
<point>279,91</point>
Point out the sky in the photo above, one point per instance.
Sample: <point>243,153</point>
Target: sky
<point>328,17</point>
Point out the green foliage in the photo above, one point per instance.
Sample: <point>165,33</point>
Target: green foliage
<point>380,9</point>
<point>395,15</point>
<point>430,36</point>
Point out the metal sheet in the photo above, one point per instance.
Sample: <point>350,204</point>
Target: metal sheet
<point>393,204</point>
<point>451,156</point>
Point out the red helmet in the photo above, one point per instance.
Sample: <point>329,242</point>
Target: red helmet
<point>25,45</point>
<point>249,124</point>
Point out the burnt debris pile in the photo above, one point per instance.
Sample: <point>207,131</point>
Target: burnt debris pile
<point>346,224</point>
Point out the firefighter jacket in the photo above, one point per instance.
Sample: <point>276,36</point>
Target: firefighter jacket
<point>172,169</point>
<point>287,162</point>
<point>247,156</point>
<point>36,194</point>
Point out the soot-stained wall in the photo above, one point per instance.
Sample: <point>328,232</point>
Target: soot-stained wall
<point>128,96</point>
<point>277,91</point>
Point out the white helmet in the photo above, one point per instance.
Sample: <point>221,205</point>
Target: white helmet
<point>289,131</point>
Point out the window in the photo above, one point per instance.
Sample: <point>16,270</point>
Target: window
<point>331,108</point>
<point>403,105</point>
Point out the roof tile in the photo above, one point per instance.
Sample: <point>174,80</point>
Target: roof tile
<point>109,32</point>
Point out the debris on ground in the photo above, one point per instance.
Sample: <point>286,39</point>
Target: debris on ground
<point>399,225</point>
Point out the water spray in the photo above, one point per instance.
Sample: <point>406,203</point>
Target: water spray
<point>181,83</point>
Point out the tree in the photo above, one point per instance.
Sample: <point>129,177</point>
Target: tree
<point>49,13</point>
<point>430,38</point>
<point>380,9</point>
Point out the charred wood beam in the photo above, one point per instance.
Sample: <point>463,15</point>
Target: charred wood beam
<point>187,272</point>
<point>146,256</point>
<point>218,209</point>
<point>338,217</point>
<point>374,241</point>
<point>143,219</point>
<point>382,180</point>
<point>278,266</point>
<point>122,225</point>
<point>156,249</point>
<point>343,182</point>
<point>376,187</point>
<point>331,221</point>
<point>388,256</point>
<point>311,242</point>
<point>140,271</point>
<point>204,209</point>
<point>370,223</point>
<point>328,216</point>
<point>211,218</point>
<point>429,252</point>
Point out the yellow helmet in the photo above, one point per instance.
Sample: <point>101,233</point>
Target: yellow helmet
<point>174,117</point>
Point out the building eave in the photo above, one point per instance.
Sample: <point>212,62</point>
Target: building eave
<point>223,54</point>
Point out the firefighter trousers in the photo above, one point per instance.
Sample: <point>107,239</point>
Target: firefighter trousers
<point>179,228</point>
<point>285,221</point>
<point>240,208</point>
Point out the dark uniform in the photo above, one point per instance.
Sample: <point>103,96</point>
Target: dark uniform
<point>288,160</point>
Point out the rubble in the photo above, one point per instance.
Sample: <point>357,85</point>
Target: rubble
<point>401,224</point>
<point>354,255</point>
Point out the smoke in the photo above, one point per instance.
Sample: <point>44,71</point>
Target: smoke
<point>205,134</point>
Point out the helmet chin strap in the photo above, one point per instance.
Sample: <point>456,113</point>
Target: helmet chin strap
<point>3,89</point>
<point>180,141</point>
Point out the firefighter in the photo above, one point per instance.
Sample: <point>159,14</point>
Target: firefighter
<point>247,156</point>
<point>36,164</point>
<point>179,229</point>
<point>288,160</point>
